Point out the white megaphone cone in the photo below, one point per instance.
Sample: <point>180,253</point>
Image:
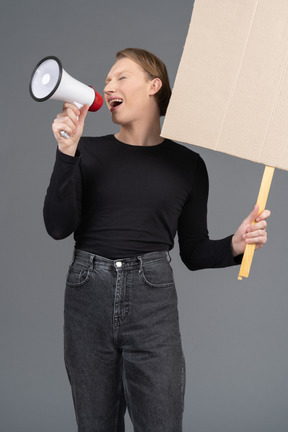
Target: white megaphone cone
<point>50,81</point>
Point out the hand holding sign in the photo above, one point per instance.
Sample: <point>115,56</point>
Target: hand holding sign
<point>252,231</point>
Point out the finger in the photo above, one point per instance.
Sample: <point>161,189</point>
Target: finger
<point>258,246</point>
<point>57,127</point>
<point>256,234</point>
<point>68,127</point>
<point>71,106</point>
<point>262,225</point>
<point>66,115</point>
<point>58,123</point>
<point>258,241</point>
<point>264,215</point>
<point>252,216</point>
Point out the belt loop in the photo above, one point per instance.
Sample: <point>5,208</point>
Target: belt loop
<point>92,258</point>
<point>141,263</point>
<point>169,257</point>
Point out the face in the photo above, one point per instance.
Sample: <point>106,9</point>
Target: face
<point>128,92</point>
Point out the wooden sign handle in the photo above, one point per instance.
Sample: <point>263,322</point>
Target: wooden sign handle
<point>261,201</point>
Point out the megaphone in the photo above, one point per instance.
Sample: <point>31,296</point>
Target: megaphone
<point>50,81</point>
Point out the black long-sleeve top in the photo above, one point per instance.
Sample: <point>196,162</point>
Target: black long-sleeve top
<point>122,200</point>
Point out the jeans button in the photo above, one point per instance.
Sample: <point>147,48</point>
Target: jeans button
<point>118,264</point>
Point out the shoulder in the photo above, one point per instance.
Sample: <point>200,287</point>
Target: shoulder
<point>180,149</point>
<point>185,155</point>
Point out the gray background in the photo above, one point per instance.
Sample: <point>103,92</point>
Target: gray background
<point>234,333</point>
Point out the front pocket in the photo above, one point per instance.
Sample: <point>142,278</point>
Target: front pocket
<point>77,276</point>
<point>158,274</point>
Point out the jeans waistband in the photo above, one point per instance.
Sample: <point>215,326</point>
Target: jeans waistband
<point>121,263</point>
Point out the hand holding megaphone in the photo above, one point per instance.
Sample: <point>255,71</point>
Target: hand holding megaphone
<point>70,121</point>
<point>50,81</point>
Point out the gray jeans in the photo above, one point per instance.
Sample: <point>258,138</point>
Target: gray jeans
<point>122,343</point>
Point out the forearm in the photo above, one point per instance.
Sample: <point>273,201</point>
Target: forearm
<point>61,209</point>
<point>206,253</point>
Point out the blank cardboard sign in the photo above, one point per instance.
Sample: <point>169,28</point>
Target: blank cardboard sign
<point>231,89</point>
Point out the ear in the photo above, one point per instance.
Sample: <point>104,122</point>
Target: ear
<point>155,86</point>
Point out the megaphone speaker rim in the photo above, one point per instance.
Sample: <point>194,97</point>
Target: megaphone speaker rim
<point>56,85</point>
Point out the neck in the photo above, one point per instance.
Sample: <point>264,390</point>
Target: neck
<point>146,134</point>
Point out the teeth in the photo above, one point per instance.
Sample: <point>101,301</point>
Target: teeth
<point>115,102</point>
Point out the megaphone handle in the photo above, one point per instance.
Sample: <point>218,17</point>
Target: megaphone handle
<point>65,134</point>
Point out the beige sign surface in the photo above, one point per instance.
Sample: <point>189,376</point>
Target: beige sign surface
<point>231,89</point>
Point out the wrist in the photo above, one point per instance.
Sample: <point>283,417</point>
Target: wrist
<point>68,150</point>
<point>234,249</point>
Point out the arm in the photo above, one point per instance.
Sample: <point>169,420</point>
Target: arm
<point>197,250</point>
<point>62,205</point>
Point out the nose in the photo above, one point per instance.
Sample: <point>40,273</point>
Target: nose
<point>110,87</point>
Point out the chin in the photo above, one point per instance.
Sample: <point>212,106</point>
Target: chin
<point>116,121</point>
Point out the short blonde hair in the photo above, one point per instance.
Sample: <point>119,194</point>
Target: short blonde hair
<point>155,68</point>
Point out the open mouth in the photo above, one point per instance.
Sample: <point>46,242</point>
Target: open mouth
<point>115,102</point>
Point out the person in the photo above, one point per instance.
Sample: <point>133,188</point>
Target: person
<point>125,196</point>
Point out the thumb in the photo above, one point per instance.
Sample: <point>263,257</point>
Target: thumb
<point>83,113</point>
<point>252,216</point>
